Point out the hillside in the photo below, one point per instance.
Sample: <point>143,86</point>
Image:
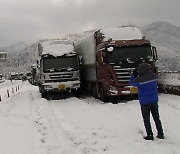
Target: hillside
<point>166,38</point>
<point>19,58</point>
<point>15,47</point>
<point>163,35</point>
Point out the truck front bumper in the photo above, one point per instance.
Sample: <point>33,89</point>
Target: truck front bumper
<point>62,86</point>
<point>118,91</point>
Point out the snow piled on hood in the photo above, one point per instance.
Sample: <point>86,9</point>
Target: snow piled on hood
<point>122,33</point>
<point>58,49</point>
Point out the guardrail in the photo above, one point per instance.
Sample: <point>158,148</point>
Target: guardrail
<point>169,82</point>
<point>11,91</point>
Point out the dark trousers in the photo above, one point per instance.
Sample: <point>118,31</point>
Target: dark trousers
<point>153,109</point>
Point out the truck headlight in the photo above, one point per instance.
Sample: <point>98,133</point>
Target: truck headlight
<point>113,90</point>
<point>77,85</point>
<point>47,87</point>
<point>77,75</point>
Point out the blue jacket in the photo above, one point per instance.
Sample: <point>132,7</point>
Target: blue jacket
<point>147,91</point>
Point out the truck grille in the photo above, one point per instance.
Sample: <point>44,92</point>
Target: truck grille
<point>61,76</point>
<point>123,74</point>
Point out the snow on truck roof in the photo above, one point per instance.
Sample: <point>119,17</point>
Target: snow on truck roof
<point>57,48</point>
<point>122,33</point>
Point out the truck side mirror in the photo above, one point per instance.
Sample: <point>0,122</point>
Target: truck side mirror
<point>154,53</point>
<point>80,59</point>
<point>103,57</point>
<point>99,57</point>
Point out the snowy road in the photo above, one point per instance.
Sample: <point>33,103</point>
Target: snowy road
<point>30,124</point>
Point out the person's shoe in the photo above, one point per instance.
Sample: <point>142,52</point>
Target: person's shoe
<point>149,137</point>
<point>160,136</point>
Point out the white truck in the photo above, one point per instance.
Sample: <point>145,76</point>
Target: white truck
<point>57,67</point>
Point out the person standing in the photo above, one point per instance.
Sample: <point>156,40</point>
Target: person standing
<point>146,82</point>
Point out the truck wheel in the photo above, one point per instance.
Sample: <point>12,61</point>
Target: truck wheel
<point>77,94</point>
<point>102,95</point>
<point>94,91</point>
<point>43,94</point>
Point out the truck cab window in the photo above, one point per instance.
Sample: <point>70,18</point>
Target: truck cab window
<point>136,53</point>
<point>104,57</point>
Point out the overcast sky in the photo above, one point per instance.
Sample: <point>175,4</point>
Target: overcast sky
<point>31,20</point>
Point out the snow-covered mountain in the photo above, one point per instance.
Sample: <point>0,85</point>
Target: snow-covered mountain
<point>20,57</point>
<point>163,35</point>
<point>166,38</point>
<point>15,47</point>
<point>164,27</point>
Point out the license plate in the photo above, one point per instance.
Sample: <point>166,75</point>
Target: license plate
<point>62,86</point>
<point>134,90</point>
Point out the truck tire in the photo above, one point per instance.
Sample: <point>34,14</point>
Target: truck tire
<point>94,91</point>
<point>102,95</point>
<point>41,90</point>
<point>77,94</point>
<point>43,94</point>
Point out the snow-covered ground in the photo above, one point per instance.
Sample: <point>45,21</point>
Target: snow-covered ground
<point>30,124</point>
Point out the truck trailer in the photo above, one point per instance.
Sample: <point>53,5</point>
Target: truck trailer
<point>109,57</point>
<point>57,67</point>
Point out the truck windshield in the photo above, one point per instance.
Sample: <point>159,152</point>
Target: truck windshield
<point>60,64</point>
<point>133,53</point>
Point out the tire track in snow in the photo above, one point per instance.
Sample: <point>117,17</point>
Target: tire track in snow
<point>52,138</point>
<point>84,138</point>
<point>39,126</point>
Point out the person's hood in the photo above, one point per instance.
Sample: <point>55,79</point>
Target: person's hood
<point>143,69</point>
<point>145,74</point>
